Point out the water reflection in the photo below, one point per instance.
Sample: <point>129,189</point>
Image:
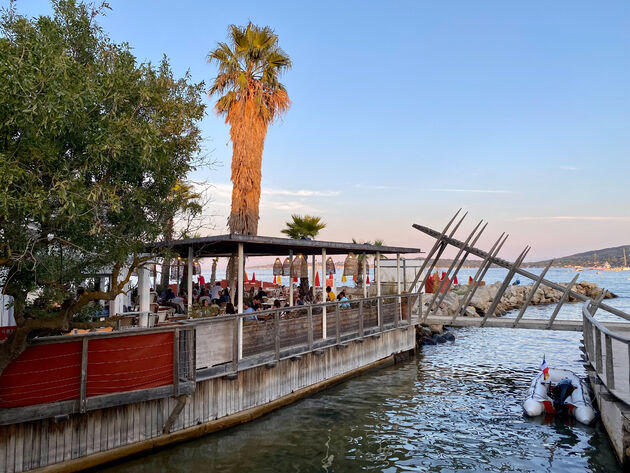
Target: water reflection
<point>453,408</point>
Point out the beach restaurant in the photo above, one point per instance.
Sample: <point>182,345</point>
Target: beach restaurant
<point>79,400</point>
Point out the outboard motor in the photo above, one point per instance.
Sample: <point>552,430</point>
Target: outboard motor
<point>559,393</point>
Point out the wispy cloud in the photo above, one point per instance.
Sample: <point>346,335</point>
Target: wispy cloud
<point>372,186</point>
<point>474,191</point>
<point>299,193</point>
<point>569,168</point>
<point>587,218</point>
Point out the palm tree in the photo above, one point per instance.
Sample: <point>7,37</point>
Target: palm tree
<point>304,227</point>
<point>359,281</point>
<point>250,98</point>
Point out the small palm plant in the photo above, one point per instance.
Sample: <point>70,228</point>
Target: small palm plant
<point>300,227</point>
<point>307,226</point>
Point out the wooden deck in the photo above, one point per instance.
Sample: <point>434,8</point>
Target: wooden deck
<point>531,324</point>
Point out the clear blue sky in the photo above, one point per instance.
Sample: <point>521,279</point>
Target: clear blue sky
<point>404,111</point>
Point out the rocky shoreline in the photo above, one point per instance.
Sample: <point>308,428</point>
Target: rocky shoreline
<point>513,299</point>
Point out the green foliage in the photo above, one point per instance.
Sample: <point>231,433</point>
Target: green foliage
<point>249,68</point>
<point>307,226</point>
<point>92,144</point>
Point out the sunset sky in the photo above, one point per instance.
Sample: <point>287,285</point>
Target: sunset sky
<point>405,111</point>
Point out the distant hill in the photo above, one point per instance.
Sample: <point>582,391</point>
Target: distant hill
<point>614,256</point>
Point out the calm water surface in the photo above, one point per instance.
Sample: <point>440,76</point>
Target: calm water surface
<point>455,407</point>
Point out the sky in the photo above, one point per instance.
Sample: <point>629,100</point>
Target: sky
<point>403,112</point>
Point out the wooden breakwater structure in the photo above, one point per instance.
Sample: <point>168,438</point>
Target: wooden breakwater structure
<point>77,401</point>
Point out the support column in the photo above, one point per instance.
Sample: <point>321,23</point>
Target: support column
<point>144,296</point>
<point>324,295</point>
<point>377,268</point>
<point>313,279</point>
<point>291,278</point>
<point>241,271</point>
<point>189,283</point>
<point>398,299</point>
<point>365,275</point>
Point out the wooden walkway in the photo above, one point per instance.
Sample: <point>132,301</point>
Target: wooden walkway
<point>535,324</point>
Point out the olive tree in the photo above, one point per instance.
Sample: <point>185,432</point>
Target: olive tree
<point>92,144</point>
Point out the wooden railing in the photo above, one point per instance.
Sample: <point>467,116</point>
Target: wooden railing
<point>607,351</point>
<point>231,343</point>
<point>62,375</point>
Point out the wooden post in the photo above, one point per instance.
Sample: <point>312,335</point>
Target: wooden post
<point>448,272</point>
<point>431,252</point>
<point>377,268</point>
<point>276,333</point>
<point>504,286</point>
<point>310,325</point>
<point>241,290</point>
<point>562,301</point>
<point>189,283</point>
<point>398,314</point>
<point>290,278</point>
<point>404,275</point>
<point>379,306</point>
<point>598,350</point>
<point>459,266</point>
<point>531,294</point>
<point>84,367</point>
<point>361,318</point>
<point>483,268</point>
<point>236,342</point>
<point>610,370</point>
<point>364,274</point>
<point>324,294</point>
<point>441,249</point>
<point>176,362</point>
<point>338,323</point>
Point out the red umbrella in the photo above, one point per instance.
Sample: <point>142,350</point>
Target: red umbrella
<point>367,281</point>
<point>455,280</point>
<point>316,278</point>
<point>253,277</point>
<point>246,280</point>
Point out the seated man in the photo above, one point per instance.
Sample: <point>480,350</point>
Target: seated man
<point>257,304</point>
<point>248,310</point>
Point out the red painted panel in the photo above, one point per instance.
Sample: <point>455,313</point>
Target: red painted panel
<point>129,363</point>
<point>6,330</point>
<point>42,374</point>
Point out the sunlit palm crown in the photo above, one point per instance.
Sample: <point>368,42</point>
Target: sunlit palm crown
<point>307,226</point>
<point>248,69</point>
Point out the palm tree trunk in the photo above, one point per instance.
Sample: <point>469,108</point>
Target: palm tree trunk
<point>247,131</point>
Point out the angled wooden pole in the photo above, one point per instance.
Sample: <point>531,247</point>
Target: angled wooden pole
<point>441,249</point>
<point>506,264</point>
<point>481,272</point>
<point>594,304</point>
<point>562,301</point>
<point>504,286</point>
<point>459,266</point>
<point>450,268</point>
<point>530,296</point>
<point>433,250</point>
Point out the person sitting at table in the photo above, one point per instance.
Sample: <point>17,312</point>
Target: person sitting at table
<point>215,292</point>
<point>261,294</point>
<point>331,294</point>
<point>248,310</point>
<point>225,295</point>
<point>276,304</point>
<point>342,297</point>
<point>229,309</point>
<point>256,304</point>
<point>299,301</point>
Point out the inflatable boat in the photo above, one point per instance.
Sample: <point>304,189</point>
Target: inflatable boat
<point>558,391</point>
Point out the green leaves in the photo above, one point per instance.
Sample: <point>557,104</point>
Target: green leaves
<point>91,145</point>
<point>249,68</point>
<point>307,226</point>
